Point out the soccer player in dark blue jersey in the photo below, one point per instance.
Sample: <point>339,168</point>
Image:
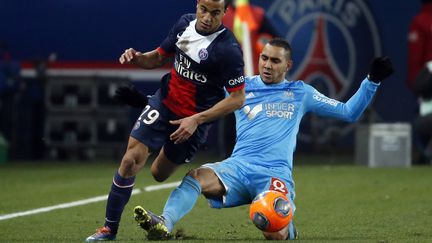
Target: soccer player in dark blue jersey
<point>267,127</point>
<point>175,122</point>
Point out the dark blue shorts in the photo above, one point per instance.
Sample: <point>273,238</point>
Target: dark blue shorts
<point>153,129</point>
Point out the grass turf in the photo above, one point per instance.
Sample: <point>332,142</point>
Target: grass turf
<point>339,202</point>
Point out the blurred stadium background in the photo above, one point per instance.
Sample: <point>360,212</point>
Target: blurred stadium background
<point>59,71</point>
<point>60,68</point>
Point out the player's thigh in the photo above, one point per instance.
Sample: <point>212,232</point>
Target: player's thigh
<point>231,177</point>
<point>152,127</point>
<point>173,155</point>
<point>136,151</point>
<point>134,158</point>
<point>163,167</point>
<point>185,152</point>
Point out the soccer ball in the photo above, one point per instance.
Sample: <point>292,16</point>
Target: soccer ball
<point>270,211</point>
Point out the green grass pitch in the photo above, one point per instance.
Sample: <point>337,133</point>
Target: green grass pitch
<point>334,203</point>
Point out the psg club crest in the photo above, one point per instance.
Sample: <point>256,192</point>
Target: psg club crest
<point>203,54</point>
<point>333,43</point>
<point>137,125</point>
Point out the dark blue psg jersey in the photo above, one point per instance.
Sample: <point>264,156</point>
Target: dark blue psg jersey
<point>203,66</point>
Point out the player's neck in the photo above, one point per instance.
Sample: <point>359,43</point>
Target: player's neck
<point>209,33</point>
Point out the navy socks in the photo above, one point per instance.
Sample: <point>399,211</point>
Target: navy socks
<point>119,195</point>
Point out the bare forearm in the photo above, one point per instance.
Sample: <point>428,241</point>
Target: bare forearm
<point>222,108</point>
<point>188,125</point>
<point>149,60</point>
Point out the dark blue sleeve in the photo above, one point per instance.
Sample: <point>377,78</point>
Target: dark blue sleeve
<point>168,45</point>
<point>232,67</point>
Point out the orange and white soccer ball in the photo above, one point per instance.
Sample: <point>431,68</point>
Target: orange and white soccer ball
<point>270,211</point>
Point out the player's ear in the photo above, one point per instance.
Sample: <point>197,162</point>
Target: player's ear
<point>289,65</point>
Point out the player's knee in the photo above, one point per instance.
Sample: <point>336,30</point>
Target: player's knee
<point>158,178</point>
<point>211,187</point>
<point>157,175</point>
<point>199,175</point>
<point>130,164</point>
<point>194,173</point>
<point>127,166</point>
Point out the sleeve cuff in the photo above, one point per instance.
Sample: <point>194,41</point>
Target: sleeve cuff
<point>372,82</point>
<point>232,89</point>
<point>164,53</point>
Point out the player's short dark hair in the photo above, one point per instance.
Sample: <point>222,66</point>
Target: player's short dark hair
<point>226,3</point>
<point>279,42</point>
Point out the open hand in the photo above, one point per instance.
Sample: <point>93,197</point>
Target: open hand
<point>187,127</point>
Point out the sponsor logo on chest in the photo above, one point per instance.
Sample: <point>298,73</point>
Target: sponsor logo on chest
<point>183,66</point>
<point>271,110</point>
<point>279,110</point>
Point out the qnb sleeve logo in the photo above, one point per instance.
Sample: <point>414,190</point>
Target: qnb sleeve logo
<point>236,81</point>
<point>252,113</point>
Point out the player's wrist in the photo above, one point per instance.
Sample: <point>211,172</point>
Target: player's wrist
<point>372,79</point>
<point>138,59</point>
<point>198,118</point>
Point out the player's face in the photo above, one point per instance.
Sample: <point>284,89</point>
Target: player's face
<point>209,15</point>
<point>273,64</point>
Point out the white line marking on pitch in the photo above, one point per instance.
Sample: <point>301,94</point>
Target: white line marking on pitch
<point>162,186</point>
<point>84,201</point>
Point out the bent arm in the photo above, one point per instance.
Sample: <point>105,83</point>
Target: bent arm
<point>150,60</point>
<point>188,125</point>
<point>349,111</point>
<point>234,101</point>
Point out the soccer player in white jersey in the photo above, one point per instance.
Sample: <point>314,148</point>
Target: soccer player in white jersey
<point>267,126</point>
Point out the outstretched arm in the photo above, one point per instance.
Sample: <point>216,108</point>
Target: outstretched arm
<point>316,102</point>
<point>149,60</point>
<point>349,111</point>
